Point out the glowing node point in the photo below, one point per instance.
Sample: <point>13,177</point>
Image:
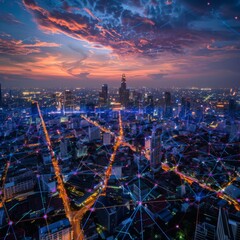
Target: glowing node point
<point>45,216</point>
<point>92,209</point>
<point>140,203</point>
<point>10,223</point>
<point>38,175</point>
<point>187,199</point>
<point>138,175</point>
<point>198,198</point>
<point>177,226</point>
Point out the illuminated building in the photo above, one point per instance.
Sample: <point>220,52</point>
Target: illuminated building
<point>224,231</point>
<point>103,95</point>
<point>64,149</point>
<point>106,138</point>
<point>124,92</point>
<point>68,101</point>
<point>93,133</point>
<point>34,111</point>
<point>18,181</point>
<point>58,230</point>
<point>205,231</point>
<point>81,150</point>
<point>150,105</point>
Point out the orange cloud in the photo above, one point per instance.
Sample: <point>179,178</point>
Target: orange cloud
<point>18,47</point>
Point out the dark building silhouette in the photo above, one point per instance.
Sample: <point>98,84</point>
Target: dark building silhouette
<point>103,95</point>
<point>185,109</point>
<point>124,92</point>
<point>68,101</point>
<point>150,105</point>
<point>156,154</point>
<point>168,104</point>
<point>232,107</point>
<point>34,111</point>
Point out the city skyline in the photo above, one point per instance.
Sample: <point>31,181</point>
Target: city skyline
<point>160,43</point>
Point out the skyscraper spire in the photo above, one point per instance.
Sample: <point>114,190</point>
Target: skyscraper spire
<point>124,92</point>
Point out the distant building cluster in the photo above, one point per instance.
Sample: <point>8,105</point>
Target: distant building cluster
<point>120,163</point>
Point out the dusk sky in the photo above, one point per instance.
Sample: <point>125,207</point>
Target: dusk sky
<point>85,43</point>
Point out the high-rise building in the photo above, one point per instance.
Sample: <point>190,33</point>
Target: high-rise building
<point>205,231</point>
<point>69,100</point>
<point>106,139</point>
<point>64,149</point>
<point>150,104</point>
<point>58,230</point>
<point>103,95</point>
<point>224,231</point>
<point>124,92</point>
<point>34,111</point>
<point>155,157</point>
<point>185,107</point>
<point>232,107</point>
<point>93,133</point>
<point>168,104</point>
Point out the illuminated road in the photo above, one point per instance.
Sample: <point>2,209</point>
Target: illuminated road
<point>88,203</point>
<point>4,175</point>
<point>75,217</point>
<point>191,180</point>
<point>103,129</point>
<point>62,191</point>
<point>221,194</point>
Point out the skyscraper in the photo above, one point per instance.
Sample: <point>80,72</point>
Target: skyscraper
<point>103,95</point>
<point>124,92</point>
<point>68,100</point>
<point>224,230</point>
<point>185,107</point>
<point>168,104</point>
<point>34,111</point>
<point>156,148</point>
<point>232,107</point>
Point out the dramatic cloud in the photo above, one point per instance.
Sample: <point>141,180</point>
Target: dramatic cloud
<point>161,42</point>
<point>127,27</point>
<point>18,47</point>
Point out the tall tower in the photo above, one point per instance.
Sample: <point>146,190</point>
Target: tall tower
<point>232,107</point>
<point>69,100</point>
<point>103,95</point>
<point>34,111</point>
<point>124,92</point>
<point>168,105</point>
